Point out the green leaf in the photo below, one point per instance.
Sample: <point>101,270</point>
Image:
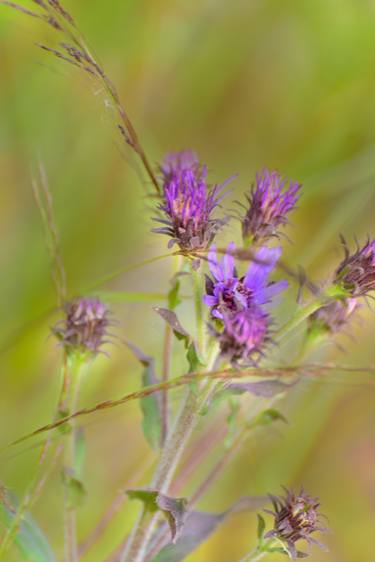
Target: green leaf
<point>261,526</point>
<point>129,296</point>
<point>174,294</point>
<point>199,526</point>
<point>174,509</point>
<point>76,489</point>
<point>171,318</point>
<point>150,405</point>
<point>193,358</point>
<point>194,364</point>
<point>267,388</point>
<point>267,417</point>
<point>30,540</point>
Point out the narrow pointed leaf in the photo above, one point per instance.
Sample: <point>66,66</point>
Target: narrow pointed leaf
<point>264,389</point>
<point>150,405</point>
<point>199,526</point>
<point>174,509</point>
<point>30,540</point>
<point>171,318</point>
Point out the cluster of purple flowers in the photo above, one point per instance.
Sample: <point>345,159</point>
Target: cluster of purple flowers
<point>239,303</point>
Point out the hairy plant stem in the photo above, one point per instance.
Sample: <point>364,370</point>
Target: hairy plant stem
<point>75,365</point>
<point>259,552</point>
<point>198,304</point>
<point>167,361</point>
<point>136,547</point>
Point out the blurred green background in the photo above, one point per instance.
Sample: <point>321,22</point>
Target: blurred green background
<point>288,85</point>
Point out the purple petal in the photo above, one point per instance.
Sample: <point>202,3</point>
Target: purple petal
<point>273,290</point>
<point>210,300</point>
<point>257,274</point>
<point>227,263</point>
<point>214,264</point>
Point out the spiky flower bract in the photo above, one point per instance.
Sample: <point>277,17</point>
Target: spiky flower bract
<point>296,517</point>
<point>356,273</point>
<point>270,200</point>
<point>84,327</point>
<point>240,303</point>
<point>188,203</point>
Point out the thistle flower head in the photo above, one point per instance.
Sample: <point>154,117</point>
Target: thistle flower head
<point>269,202</point>
<point>356,273</point>
<point>335,316</point>
<point>296,517</point>
<point>226,293</point>
<point>188,203</point>
<point>84,327</point>
<point>244,334</point>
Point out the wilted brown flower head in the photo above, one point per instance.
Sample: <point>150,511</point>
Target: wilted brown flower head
<point>296,518</point>
<point>84,327</point>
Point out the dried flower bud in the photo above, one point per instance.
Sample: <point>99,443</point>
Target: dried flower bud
<point>296,518</point>
<point>356,273</point>
<point>335,316</point>
<point>188,203</point>
<point>85,325</point>
<point>269,203</point>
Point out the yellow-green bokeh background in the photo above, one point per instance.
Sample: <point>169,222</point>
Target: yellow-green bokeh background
<point>246,83</point>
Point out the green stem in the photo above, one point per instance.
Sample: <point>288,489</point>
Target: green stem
<point>136,547</point>
<point>303,313</point>
<point>259,552</point>
<point>199,315</point>
<point>75,366</point>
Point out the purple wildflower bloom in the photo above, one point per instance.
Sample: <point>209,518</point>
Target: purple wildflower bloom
<point>228,293</point>
<point>239,302</point>
<point>188,203</point>
<point>296,518</point>
<point>356,273</point>
<point>85,325</point>
<point>244,333</point>
<point>269,203</point>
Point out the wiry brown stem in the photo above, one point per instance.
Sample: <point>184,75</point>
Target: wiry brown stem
<point>77,53</point>
<point>225,374</point>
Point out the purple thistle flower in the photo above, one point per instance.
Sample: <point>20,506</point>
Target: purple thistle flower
<point>244,334</point>
<point>356,273</point>
<point>227,293</point>
<point>85,325</point>
<point>296,518</point>
<point>335,316</point>
<point>269,203</point>
<point>188,203</point>
<point>239,302</point>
